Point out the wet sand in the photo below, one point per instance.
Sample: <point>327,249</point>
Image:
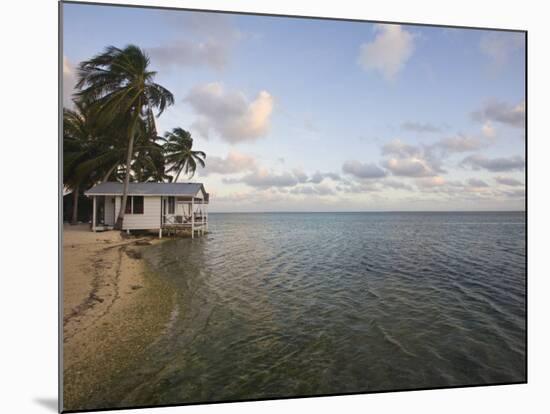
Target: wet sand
<point>112,310</point>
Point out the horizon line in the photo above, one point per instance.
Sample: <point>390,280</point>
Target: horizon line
<point>369,211</point>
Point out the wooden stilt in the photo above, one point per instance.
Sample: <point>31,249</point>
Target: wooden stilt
<point>192,217</point>
<point>94,214</point>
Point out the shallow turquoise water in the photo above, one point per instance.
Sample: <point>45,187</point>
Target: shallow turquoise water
<point>275,305</point>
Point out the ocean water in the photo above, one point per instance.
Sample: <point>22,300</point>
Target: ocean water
<point>283,304</point>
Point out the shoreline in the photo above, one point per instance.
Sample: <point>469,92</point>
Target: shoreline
<point>113,308</point>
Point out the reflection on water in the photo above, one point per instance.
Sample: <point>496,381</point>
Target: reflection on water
<point>274,305</point>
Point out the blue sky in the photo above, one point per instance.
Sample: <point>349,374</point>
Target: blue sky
<point>321,115</point>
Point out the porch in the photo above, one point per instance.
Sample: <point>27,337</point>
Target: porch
<point>184,213</point>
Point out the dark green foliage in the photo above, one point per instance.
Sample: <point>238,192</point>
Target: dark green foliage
<point>180,154</point>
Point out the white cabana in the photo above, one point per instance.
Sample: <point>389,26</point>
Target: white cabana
<point>151,206</point>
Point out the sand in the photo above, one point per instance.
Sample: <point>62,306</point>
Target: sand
<point>113,308</point>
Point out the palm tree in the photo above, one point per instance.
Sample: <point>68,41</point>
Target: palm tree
<point>120,85</point>
<point>180,155</point>
<point>79,147</point>
<point>149,164</point>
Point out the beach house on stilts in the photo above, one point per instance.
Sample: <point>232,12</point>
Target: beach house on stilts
<point>167,207</point>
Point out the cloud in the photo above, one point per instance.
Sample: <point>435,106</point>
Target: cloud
<point>430,182</point>
<point>400,149</point>
<point>218,26</point>
<point>512,182</point>
<point>300,175</point>
<point>391,48</point>
<point>411,167</point>
<point>488,130</point>
<point>396,185</point>
<point>358,188</point>
<point>69,82</point>
<point>411,160</point>
<point>187,53</point>
<point>234,162</point>
<point>318,177</point>
<point>456,190</point>
<point>517,193</point>
<point>363,171</point>
<point>206,39</point>
<point>499,46</point>
<point>313,190</point>
<point>263,178</point>
<point>426,160</point>
<point>515,163</point>
<point>260,177</point>
<point>230,113</point>
<point>419,127</point>
<point>477,183</point>
<point>459,143</point>
<point>497,111</point>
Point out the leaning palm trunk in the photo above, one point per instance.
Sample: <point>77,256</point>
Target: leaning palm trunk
<point>108,174</point>
<point>129,157</point>
<point>74,219</point>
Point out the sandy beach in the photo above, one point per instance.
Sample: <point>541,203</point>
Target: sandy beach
<point>112,309</point>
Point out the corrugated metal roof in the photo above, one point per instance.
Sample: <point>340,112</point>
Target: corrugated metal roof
<point>150,189</point>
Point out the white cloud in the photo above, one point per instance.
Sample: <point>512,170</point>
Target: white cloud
<point>430,182</point>
<point>363,170</point>
<point>230,113</point>
<point>300,175</point>
<point>359,188</point>
<point>264,178</point>
<point>321,190</point>
<point>459,143</point>
<point>318,177</point>
<point>69,82</point>
<point>503,112</point>
<point>477,183</point>
<point>488,130</point>
<point>499,46</point>
<point>410,160</point>
<point>419,127</point>
<point>261,177</point>
<point>427,160</point>
<point>409,167</point>
<point>234,162</point>
<point>515,163</point>
<point>512,182</point>
<point>206,39</point>
<point>400,149</point>
<point>396,185</point>
<point>517,193</point>
<point>187,53</point>
<point>388,52</point>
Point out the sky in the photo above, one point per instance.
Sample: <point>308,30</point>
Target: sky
<point>324,115</point>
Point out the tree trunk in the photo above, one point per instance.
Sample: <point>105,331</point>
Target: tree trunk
<point>76,191</point>
<point>177,176</point>
<point>106,177</point>
<point>129,156</point>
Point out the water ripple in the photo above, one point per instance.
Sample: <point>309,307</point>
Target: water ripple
<point>300,304</point>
